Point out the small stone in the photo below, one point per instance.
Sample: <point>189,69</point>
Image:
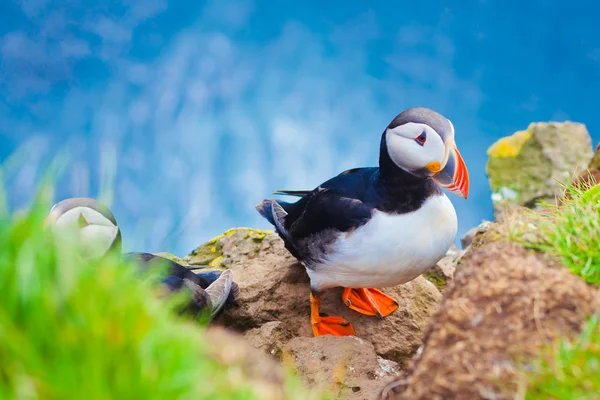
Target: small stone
<point>442,272</point>
<point>467,238</point>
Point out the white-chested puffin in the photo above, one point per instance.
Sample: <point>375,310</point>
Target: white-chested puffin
<point>370,228</point>
<point>99,234</point>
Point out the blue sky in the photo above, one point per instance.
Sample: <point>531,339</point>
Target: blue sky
<point>192,111</point>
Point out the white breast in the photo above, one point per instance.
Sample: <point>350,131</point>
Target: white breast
<point>389,249</point>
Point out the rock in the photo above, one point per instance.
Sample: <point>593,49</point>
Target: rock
<point>453,250</point>
<point>467,238</point>
<point>348,367</point>
<point>505,304</point>
<point>529,165</point>
<point>219,251</point>
<point>172,257</point>
<point>269,338</point>
<point>275,288</point>
<point>442,273</point>
<point>595,163</point>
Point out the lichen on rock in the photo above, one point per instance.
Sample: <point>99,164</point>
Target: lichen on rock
<point>174,258</point>
<point>218,251</point>
<point>531,165</point>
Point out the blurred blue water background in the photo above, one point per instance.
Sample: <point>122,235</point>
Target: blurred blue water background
<point>191,112</point>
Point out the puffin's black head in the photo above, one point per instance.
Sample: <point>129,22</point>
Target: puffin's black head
<point>95,223</point>
<point>421,142</point>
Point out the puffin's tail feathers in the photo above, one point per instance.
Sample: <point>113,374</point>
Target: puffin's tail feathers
<point>278,214</point>
<point>297,193</point>
<point>264,209</point>
<point>274,212</point>
<point>219,291</point>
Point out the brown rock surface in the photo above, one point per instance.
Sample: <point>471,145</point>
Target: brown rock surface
<point>346,367</point>
<point>505,303</point>
<point>274,287</point>
<point>273,310</point>
<point>269,337</point>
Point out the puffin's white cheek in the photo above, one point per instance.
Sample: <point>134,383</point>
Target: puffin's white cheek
<point>434,150</point>
<point>96,240</point>
<point>406,153</point>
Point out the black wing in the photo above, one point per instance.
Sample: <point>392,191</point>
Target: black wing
<point>325,209</point>
<point>341,203</point>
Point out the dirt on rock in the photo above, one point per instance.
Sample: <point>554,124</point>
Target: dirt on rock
<point>346,367</point>
<point>504,304</point>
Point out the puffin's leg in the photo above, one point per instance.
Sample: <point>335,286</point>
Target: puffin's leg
<point>333,325</point>
<point>369,302</point>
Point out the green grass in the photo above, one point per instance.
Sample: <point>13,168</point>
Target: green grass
<point>569,370</point>
<point>95,329</point>
<point>571,232</point>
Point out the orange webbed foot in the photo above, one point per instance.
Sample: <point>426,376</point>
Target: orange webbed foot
<point>333,325</point>
<point>369,302</point>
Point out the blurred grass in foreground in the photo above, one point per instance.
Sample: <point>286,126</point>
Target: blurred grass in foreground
<point>569,370</point>
<point>95,329</point>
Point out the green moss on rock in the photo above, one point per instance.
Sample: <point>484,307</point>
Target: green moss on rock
<point>436,279</point>
<point>530,165</point>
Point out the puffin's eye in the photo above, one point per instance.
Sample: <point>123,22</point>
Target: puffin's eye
<point>422,138</point>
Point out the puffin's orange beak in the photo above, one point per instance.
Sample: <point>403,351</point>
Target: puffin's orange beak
<point>454,176</point>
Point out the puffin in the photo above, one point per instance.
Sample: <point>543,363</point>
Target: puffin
<point>374,227</point>
<point>210,291</point>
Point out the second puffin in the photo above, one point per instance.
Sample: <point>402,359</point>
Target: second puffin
<point>369,228</point>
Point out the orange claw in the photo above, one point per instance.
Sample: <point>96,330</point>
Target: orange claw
<point>369,302</point>
<point>336,326</point>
